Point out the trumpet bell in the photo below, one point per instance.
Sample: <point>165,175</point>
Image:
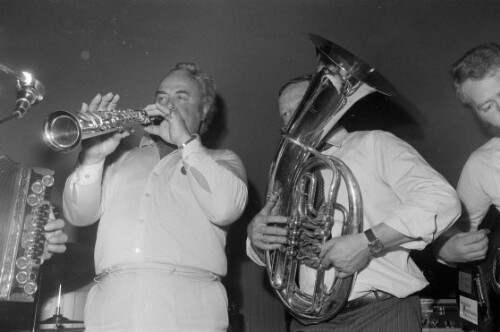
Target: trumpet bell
<point>62,131</point>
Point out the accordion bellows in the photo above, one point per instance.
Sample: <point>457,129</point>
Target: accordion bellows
<point>24,211</point>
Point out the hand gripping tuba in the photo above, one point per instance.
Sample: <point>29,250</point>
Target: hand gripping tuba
<point>291,174</point>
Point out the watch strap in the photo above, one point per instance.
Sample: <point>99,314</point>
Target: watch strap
<point>190,139</point>
<point>375,246</point>
<point>370,236</point>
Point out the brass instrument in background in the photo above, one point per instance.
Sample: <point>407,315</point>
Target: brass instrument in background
<point>63,131</point>
<point>292,175</point>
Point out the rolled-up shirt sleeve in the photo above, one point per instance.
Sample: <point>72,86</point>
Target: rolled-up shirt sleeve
<point>476,187</point>
<point>82,195</point>
<point>217,181</point>
<point>252,254</point>
<point>428,203</point>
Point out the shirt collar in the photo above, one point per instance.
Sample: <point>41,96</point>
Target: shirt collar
<point>337,136</point>
<point>146,140</point>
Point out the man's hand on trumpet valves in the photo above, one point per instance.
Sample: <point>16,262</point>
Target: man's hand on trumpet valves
<point>96,149</point>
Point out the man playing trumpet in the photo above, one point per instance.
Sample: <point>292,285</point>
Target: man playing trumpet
<point>163,209</point>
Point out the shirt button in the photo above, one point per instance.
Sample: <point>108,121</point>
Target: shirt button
<point>87,176</point>
<point>141,220</point>
<point>147,195</point>
<point>137,250</point>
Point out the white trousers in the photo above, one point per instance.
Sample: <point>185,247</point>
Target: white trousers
<point>156,301</point>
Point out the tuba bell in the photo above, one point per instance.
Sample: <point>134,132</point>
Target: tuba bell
<point>292,177</point>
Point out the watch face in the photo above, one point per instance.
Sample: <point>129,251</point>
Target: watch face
<point>376,246</point>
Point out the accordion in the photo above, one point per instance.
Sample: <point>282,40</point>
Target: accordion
<point>24,211</point>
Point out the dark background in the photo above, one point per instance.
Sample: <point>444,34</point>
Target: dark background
<point>80,48</point>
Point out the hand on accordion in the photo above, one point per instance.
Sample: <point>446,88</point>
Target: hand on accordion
<point>55,237</point>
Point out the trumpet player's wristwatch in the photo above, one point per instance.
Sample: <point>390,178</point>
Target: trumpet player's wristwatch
<point>375,246</point>
<point>190,139</point>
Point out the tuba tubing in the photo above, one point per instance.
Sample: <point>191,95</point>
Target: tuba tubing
<point>63,131</point>
<point>291,174</point>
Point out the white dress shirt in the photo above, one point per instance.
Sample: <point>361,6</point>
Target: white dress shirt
<point>398,188</point>
<point>160,211</point>
<point>479,184</point>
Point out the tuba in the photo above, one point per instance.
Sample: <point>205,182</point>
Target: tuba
<point>292,176</point>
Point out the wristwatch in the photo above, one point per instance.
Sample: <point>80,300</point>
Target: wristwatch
<point>374,244</point>
<point>190,139</point>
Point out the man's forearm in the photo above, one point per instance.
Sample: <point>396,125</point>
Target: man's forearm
<point>81,207</point>
<point>389,236</point>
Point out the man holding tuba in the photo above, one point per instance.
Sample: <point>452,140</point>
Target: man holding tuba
<point>406,205</point>
<point>163,209</point>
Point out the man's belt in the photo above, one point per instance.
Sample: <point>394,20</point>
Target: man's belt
<point>155,268</point>
<point>371,297</point>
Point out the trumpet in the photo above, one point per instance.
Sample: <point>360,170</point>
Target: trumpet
<point>63,131</point>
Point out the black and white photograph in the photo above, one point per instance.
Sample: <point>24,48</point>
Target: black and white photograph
<point>249,166</point>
